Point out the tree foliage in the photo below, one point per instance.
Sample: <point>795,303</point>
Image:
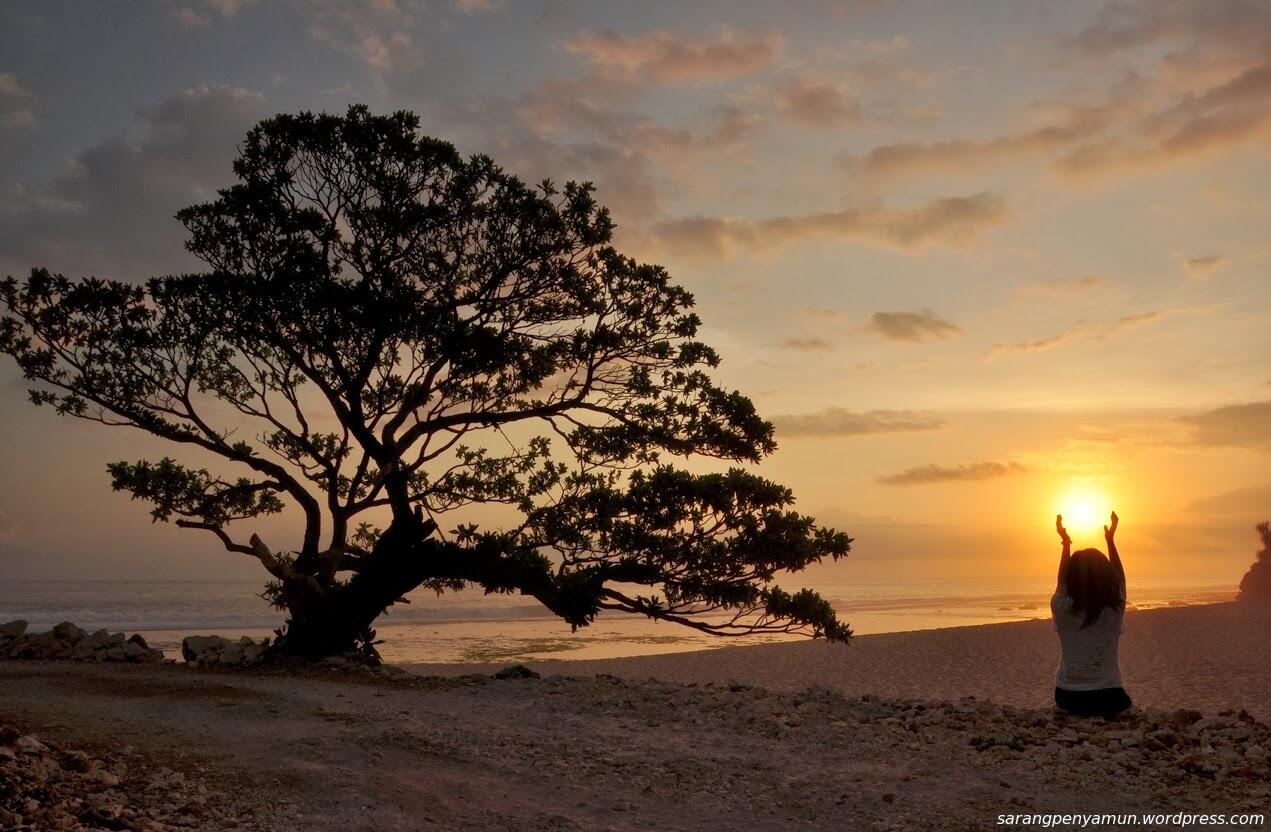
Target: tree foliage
<point>388,332</point>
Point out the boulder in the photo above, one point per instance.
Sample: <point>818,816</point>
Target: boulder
<point>193,647</point>
<point>66,631</point>
<point>116,654</point>
<point>516,671</point>
<point>13,629</point>
<point>138,639</point>
<point>232,655</point>
<point>133,650</point>
<point>99,638</point>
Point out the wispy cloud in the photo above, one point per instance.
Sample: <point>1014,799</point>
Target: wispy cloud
<point>911,326</point>
<point>15,102</point>
<point>925,474</point>
<point>1202,268</point>
<point>1082,331</point>
<point>953,221</point>
<point>1059,288</point>
<point>818,104</point>
<point>668,57</point>
<point>837,421</point>
<point>807,344</point>
<point>1237,425</point>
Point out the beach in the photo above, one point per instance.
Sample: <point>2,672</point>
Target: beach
<point>1207,657</point>
<point>881,735</point>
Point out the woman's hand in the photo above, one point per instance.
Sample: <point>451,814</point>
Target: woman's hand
<point>1063,533</point>
<point>1109,532</point>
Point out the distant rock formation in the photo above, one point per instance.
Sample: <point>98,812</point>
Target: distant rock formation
<point>1256,584</point>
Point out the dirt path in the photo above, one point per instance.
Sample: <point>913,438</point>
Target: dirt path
<point>348,754</point>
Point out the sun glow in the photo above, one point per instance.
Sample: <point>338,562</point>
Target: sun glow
<point>1085,512</point>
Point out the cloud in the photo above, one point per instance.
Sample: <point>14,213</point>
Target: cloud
<point>111,212</point>
<point>836,421</point>
<point>1205,267</point>
<point>1237,425</point>
<point>807,344</point>
<point>15,106</point>
<point>1082,331</point>
<point>1252,501</point>
<point>379,33</point>
<point>911,326</point>
<point>1059,288</point>
<point>1228,115</point>
<point>818,104</point>
<point>202,12</point>
<point>1190,77</point>
<point>478,6</point>
<point>666,57</point>
<point>952,221</point>
<point>925,474</point>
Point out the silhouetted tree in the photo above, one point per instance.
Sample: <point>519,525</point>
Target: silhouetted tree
<point>386,316</point>
<point>1256,584</point>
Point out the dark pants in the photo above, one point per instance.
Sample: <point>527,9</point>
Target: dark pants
<point>1105,702</point>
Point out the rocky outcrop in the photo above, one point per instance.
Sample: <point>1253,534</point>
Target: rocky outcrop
<point>1256,584</point>
<point>67,641</point>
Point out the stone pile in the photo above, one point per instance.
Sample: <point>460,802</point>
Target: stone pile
<point>218,651</point>
<point>67,641</point>
<point>214,651</point>
<point>50,788</point>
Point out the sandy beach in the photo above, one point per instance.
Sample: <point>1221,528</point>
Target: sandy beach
<point>880,735</point>
<point>1206,657</point>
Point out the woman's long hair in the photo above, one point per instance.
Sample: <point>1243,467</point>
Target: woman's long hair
<point>1094,584</point>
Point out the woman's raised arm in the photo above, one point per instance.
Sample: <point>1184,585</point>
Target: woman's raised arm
<point>1066,554</point>
<point>1109,534</point>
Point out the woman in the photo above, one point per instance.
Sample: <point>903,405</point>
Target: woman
<point>1088,609</point>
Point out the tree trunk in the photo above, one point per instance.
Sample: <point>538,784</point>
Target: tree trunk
<point>337,619</point>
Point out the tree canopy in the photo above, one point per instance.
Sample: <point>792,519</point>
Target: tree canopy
<point>387,332</point>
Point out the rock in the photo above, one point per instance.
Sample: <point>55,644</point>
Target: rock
<point>98,638</point>
<point>133,650</point>
<point>138,639</point>
<point>116,654</point>
<point>66,631</point>
<point>232,655</point>
<point>13,629</point>
<point>193,647</point>
<point>29,744</point>
<point>116,639</point>
<point>516,671</point>
<point>76,761</point>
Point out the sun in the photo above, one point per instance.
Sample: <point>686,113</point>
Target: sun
<point>1085,511</point>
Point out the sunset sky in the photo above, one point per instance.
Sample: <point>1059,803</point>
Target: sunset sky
<point>977,261</point>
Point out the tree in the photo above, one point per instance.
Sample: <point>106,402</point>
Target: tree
<point>403,333</point>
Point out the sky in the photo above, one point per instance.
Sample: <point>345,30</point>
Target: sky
<point>978,262</point>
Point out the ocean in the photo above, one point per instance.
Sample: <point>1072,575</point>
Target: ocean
<point>472,627</point>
